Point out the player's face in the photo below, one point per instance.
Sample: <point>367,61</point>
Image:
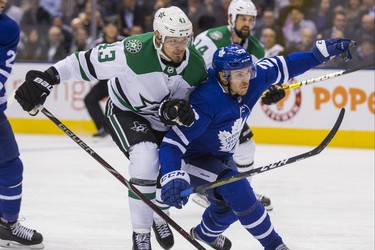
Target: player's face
<point>174,48</point>
<point>239,81</point>
<point>3,3</point>
<point>243,25</point>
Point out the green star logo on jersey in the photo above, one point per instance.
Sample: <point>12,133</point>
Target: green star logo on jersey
<point>133,46</point>
<point>161,15</point>
<point>216,35</point>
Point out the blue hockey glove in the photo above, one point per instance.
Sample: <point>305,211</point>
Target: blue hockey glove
<point>325,49</point>
<point>176,112</point>
<point>172,185</point>
<point>274,93</point>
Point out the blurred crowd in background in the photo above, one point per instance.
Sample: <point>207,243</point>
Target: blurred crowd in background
<point>53,29</point>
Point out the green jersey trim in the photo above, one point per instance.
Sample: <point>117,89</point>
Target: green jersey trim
<point>141,56</point>
<point>83,74</point>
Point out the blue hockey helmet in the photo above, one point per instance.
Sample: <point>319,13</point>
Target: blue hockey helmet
<point>232,57</point>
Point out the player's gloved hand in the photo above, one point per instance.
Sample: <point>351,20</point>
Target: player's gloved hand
<point>172,185</point>
<point>273,94</point>
<point>34,90</point>
<point>176,112</point>
<point>325,49</point>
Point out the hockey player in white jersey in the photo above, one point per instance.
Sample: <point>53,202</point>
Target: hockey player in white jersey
<point>151,76</point>
<point>203,152</point>
<point>241,20</point>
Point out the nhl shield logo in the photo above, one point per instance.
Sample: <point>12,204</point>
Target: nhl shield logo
<point>133,46</point>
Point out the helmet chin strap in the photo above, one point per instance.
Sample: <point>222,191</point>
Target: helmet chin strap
<point>159,50</point>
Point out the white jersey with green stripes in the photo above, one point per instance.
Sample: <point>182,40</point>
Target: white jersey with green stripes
<point>138,79</point>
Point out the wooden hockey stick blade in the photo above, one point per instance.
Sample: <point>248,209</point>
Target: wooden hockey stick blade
<point>271,166</point>
<point>116,174</point>
<point>324,77</point>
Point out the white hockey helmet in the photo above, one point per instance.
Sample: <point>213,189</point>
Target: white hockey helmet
<point>240,7</point>
<point>172,21</point>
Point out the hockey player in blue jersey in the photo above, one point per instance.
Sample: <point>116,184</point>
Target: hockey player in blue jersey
<point>12,233</point>
<point>203,152</point>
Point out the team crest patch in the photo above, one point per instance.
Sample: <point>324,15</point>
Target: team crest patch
<point>133,46</point>
<point>216,35</point>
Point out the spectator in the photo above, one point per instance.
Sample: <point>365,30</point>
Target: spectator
<point>364,54</point>
<point>81,41</point>
<point>292,30</point>
<point>34,47</point>
<point>13,11</point>
<point>284,12</point>
<point>56,50</point>
<point>339,23</point>
<point>367,27</point>
<point>66,30</point>
<point>36,16</point>
<point>271,47</point>
<point>268,20</point>
<point>130,14</point>
<point>353,11</point>
<point>369,8</point>
<point>321,16</point>
<point>53,7</point>
<point>306,41</point>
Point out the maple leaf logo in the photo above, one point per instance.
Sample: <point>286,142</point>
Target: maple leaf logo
<point>228,139</point>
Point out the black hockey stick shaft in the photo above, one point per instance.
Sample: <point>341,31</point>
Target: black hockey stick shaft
<point>123,180</point>
<point>271,166</point>
<point>324,77</point>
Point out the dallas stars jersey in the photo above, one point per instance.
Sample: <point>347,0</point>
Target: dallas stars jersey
<point>208,41</point>
<point>139,80</point>
<point>221,117</point>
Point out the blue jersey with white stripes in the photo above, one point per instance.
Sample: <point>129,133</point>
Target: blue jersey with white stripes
<point>221,117</point>
<point>9,37</point>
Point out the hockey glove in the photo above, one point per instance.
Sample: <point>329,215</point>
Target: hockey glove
<point>172,185</point>
<point>274,93</point>
<point>176,112</point>
<point>35,89</point>
<point>325,49</point>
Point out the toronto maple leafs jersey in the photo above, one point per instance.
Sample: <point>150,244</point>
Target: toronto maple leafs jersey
<point>9,37</point>
<point>210,40</point>
<point>139,79</point>
<point>220,117</point>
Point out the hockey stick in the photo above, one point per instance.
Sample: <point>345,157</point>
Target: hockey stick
<point>323,78</point>
<point>116,174</point>
<point>271,166</point>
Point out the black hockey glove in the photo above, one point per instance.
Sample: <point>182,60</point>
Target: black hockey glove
<point>35,89</point>
<point>176,112</point>
<point>274,93</point>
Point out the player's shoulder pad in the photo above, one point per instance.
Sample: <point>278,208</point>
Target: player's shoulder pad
<point>9,27</point>
<point>196,67</point>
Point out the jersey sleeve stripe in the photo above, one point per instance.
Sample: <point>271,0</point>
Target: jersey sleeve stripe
<point>89,64</point>
<point>274,61</point>
<point>4,73</point>
<point>285,68</point>
<point>177,144</point>
<point>180,135</point>
<point>83,74</point>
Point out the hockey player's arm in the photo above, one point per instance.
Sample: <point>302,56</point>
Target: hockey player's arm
<point>101,62</point>
<point>175,180</point>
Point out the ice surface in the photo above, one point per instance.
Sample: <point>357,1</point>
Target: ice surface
<point>325,202</point>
